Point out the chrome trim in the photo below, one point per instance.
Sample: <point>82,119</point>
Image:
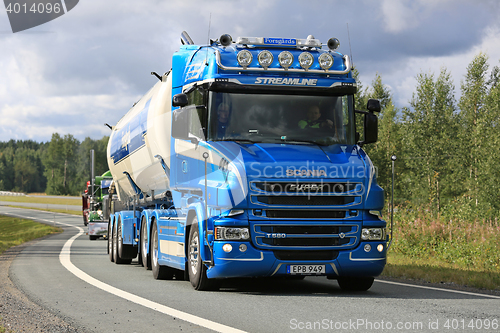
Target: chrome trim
<point>347,63</point>
<point>255,259</point>
<point>335,269</point>
<point>363,259</point>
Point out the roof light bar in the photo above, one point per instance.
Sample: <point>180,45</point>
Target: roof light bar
<point>245,58</point>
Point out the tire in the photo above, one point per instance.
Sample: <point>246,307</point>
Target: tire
<point>355,283</point>
<point>159,272</point>
<point>93,237</point>
<point>145,256</point>
<point>196,269</point>
<point>118,244</point>
<point>110,243</point>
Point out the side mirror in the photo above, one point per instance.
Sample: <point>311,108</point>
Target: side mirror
<point>180,123</point>
<point>187,123</point>
<point>370,124</point>
<point>371,128</point>
<point>373,105</point>
<point>180,100</point>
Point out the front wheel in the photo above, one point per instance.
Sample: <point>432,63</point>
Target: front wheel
<point>355,283</point>
<point>196,269</point>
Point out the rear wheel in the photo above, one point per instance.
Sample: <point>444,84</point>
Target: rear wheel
<point>159,272</point>
<point>118,244</point>
<point>196,267</point>
<point>145,257</point>
<point>355,283</point>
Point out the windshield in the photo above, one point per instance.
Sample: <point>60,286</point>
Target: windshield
<point>268,118</point>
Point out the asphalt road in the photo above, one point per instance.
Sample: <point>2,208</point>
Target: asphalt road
<point>73,277</point>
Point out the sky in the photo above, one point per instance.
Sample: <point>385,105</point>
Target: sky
<point>88,67</point>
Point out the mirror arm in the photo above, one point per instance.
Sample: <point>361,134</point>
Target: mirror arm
<point>361,112</point>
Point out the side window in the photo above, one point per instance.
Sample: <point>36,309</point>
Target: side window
<point>345,110</point>
<point>198,123</point>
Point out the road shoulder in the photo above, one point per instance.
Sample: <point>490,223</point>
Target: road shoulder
<point>17,312</point>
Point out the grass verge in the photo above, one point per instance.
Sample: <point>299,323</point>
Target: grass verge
<point>436,271</point>
<point>15,231</point>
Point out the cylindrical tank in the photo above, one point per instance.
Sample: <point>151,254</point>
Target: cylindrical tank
<point>138,150</point>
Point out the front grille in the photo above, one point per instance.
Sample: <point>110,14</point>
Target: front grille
<point>306,255</point>
<point>320,241</point>
<point>324,236</point>
<point>305,214</point>
<point>306,229</point>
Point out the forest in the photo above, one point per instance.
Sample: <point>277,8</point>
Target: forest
<point>447,148</point>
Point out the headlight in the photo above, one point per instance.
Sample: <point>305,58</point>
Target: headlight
<point>325,61</point>
<point>285,59</point>
<point>306,60</point>
<point>244,58</point>
<point>224,233</point>
<point>265,58</point>
<point>373,234</point>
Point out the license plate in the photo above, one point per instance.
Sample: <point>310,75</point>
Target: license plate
<point>306,269</point>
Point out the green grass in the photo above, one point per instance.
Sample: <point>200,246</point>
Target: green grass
<point>15,231</point>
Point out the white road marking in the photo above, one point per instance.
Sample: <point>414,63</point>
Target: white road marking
<point>64,258</point>
<point>438,289</point>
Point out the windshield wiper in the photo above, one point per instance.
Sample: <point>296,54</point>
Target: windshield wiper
<point>240,140</point>
<point>303,141</point>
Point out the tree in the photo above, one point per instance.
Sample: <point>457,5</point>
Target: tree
<point>473,124</point>
<point>60,161</point>
<point>100,159</point>
<point>429,138</point>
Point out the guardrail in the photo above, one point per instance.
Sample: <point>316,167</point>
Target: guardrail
<point>12,194</point>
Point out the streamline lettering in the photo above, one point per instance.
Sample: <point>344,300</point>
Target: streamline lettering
<point>286,81</point>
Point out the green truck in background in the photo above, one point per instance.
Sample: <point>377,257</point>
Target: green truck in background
<point>94,208</point>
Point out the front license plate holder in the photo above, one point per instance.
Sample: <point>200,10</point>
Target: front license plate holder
<point>305,269</point>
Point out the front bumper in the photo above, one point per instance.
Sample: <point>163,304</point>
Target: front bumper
<point>263,263</point>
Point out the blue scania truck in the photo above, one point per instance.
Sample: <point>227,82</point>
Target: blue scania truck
<point>244,160</point>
